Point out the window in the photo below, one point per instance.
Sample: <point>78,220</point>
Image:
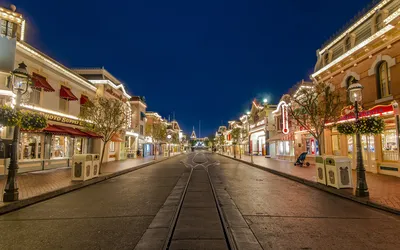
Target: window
<point>312,146</point>
<point>336,144</point>
<point>60,146</point>
<point>141,129</point>
<point>326,59</point>
<point>64,105</point>
<point>112,146</point>
<point>349,81</point>
<point>30,147</point>
<point>79,145</point>
<point>347,44</point>
<point>350,146</point>
<point>389,145</point>
<point>34,97</point>
<point>378,22</point>
<point>383,80</point>
<point>7,28</point>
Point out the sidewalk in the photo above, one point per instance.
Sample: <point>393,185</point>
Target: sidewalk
<point>384,190</point>
<point>35,184</point>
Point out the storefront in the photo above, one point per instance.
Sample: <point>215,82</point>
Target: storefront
<point>380,152</point>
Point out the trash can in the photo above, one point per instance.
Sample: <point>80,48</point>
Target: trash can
<point>166,153</point>
<point>81,167</point>
<point>338,172</point>
<point>96,166</point>
<point>321,171</point>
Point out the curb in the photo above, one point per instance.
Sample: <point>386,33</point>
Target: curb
<point>42,197</point>
<point>319,186</point>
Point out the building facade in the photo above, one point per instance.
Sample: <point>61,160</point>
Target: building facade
<point>368,50</point>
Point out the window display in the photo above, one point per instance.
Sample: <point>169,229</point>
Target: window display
<point>60,146</point>
<point>30,146</point>
<point>79,145</point>
<point>389,145</point>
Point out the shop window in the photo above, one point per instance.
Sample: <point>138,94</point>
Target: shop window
<point>30,146</point>
<point>112,146</point>
<point>64,105</point>
<point>127,143</point>
<point>336,144</point>
<point>312,147</point>
<point>350,146</point>
<point>383,76</point>
<point>378,22</point>
<point>60,146</point>
<point>389,145</point>
<point>79,145</point>
<point>34,97</point>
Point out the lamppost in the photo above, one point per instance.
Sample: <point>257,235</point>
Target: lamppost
<point>169,145</point>
<point>248,131</point>
<point>355,93</point>
<point>20,84</point>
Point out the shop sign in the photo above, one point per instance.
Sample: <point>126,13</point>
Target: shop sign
<point>347,112</point>
<point>61,119</point>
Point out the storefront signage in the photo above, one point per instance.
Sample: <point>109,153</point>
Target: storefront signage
<point>61,119</point>
<point>347,112</point>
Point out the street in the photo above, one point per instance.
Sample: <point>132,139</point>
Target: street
<point>281,214</point>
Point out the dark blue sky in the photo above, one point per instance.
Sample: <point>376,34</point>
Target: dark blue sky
<point>200,59</point>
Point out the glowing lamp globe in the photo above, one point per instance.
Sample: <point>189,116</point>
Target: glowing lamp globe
<point>355,92</point>
<point>21,78</point>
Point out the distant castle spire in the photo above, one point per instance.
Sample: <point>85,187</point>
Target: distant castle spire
<point>193,136</point>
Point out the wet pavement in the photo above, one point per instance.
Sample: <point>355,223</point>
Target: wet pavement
<point>112,214</point>
<point>283,214</point>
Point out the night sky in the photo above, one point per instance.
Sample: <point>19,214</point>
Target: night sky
<point>204,60</point>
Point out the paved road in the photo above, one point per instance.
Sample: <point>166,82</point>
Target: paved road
<point>284,214</point>
<point>110,215</point>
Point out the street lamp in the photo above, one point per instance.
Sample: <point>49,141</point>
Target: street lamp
<point>355,93</point>
<point>169,145</point>
<point>248,131</point>
<point>20,84</point>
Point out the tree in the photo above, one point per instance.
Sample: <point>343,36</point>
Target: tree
<point>158,132</point>
<point>221,141</point>
<point>105,117</point>
<point>235,134</point>
<point>210,140</point>
<point>313,106</point>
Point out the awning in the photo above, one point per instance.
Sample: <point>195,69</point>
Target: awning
<point>72,131</point>
<point>277,137</point>
<point>41,82</point>
<point>65,93</point>
<point>84,99</point>
<point>54,130</point>
<point>116,138</point>
<point>91,134</point>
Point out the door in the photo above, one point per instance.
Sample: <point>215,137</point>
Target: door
<point>368,152</point>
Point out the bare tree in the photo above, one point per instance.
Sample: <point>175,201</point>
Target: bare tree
<point>235,133</point>
<point>312,106</point>
<point>105,117</point>
<point>158,132</point>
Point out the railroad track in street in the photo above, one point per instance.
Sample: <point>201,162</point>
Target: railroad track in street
<point>199,219</point>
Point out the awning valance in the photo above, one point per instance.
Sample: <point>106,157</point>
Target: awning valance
<point>66,93</point>
<point>116,138</point>
<point>72,131</point>
<point>276,137</point>
<point>84,99</point>
<point>41,82</point>
<point>91,134</point>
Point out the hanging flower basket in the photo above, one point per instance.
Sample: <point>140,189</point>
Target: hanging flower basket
<point>33,121</point>
<point>371,126</point>
<point>365,126</point>
<point>8,116</point>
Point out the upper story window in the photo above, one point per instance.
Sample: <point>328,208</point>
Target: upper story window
<point>7,28</point>
<point>326,59</point>
<point>34,97</point>
<point>347,44</point>
<point>349,81</point>
<point>378,22</point>
<point>64,105</point>
<point>383,78</point>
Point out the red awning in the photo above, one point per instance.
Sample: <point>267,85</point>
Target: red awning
<point>116,138</point>
<point>72,131</point>
<point>41,82</point>
<point>66,93</point>
<point>91,134</point>
<point>54,130</point>
<point>84,99</point>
